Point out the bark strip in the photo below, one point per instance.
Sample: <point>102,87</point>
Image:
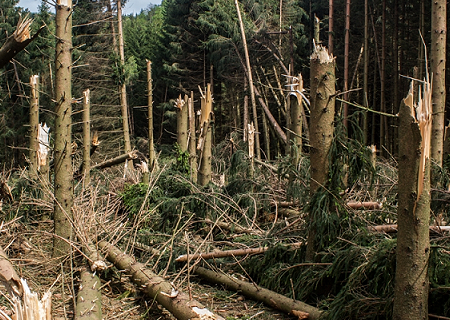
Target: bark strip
<point>221,254</point>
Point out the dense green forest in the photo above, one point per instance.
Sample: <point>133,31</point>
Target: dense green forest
<point>316,128</point>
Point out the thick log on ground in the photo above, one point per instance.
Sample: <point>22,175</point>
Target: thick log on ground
<point>117,160</point>
<point>365,205</point>
<point>89,300</point>
<point>17,41</point>
<point>175,301</point>
<point>269,297</point>
<point>392,228</point>
<point>221,254</point>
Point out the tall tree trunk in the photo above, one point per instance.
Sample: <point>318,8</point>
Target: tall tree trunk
<point>86,137</point>
<point>366,71</point>
<point>63,183</point>
<point>192,139</point>
<point>330,27</point>
<point>321,130</point>
<point>246,116</point>
<point>296,118</point>
<point>346,51</point>
<point>151,146</point>
<point>123,86</point>
<point>383,119</point>
<point>182,123</point>
<point>438,43</point>
<point>34,125</point>
<point>394,109</point>
<point>205,139</point>
<point>250,80</point>
<point>413,245</point>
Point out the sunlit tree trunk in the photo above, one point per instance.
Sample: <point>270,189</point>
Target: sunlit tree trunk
<point>250,80</point>
<point>34,125</point>
<point>63,183</point>
<point>321,129</point>
<point>123,86</point>
<point>86,137</point>
<point>330,27</point>
<point>151,146</point>
<point>437,49</point>
<point>413,243</point>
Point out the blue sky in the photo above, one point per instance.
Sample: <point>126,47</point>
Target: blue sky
<point>132,6</point>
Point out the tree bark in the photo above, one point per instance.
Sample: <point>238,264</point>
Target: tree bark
<point>205,139</point>
<point>182,123</point>
<point>117,160</point>
<point>438,58</point>
<point>63,183</point>
<point>156,287</point>
<point>34,126</point>
<point>17,41</point>
<point>123,86</point>
<point>89,299</point>
<point>269,297</point>
<point>366,71</point>
<point>321,130</point>
<point>330,26</point>
<point>346,52</point>
<point>250,80</point>
<point>221,254</point>
<point>151,146</point>
<point>86,138</point>
<point>192,139</point>
<point>413,245</point>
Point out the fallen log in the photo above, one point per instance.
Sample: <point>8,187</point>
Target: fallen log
<point>117,160</point>
<point>273,299</point>
<point>221,254</point>
<point>156,287</point>
<point>89,299</point>
<point>365,205</point>
<point>392,228</point>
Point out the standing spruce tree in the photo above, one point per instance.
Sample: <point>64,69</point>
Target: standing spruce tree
<point>438,58</point>
<point>63,184</point>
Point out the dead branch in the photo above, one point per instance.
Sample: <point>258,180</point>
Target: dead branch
<point>117,160</point>
<point>221,254</point>
<point>231,227</point>
<point>253,291</point>
<point>365,205</point>
<point>171,298</point>
<point>17,41</point>
<point>392,228</point>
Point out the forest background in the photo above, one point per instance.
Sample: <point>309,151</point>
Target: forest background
<point>379,46</point>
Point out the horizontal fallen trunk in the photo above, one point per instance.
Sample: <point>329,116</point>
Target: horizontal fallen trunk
<point>365,205</point>
<point>89,299</point>
<point>269,297</point>
<point>117,160</point>
<point>392,228</point>
<point>156,287</point>
<point>221,254</point>
<point>232,227</point>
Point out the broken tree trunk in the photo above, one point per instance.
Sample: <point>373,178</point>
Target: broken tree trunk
<point>86,171</point>
<point>175,301</point>
<point>34,125</point>
<point>117,160</point>
<point>269,297</point>
<point>221,254</point>
<point>17,41</point>
<point>192,139</point>
<point>321,130</point>
<point>89,300</point>
<point>393,228</point>
<point>182,122</point>
<point>205,138</point>
<point>413,241</point>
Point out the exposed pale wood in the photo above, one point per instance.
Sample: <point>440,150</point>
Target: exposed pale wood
<point>256,292</point>
<point>8,276</point>
<point>365,205</point>
<point>392,228</point>
<point>17,41</point>
<point>156,287</point>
